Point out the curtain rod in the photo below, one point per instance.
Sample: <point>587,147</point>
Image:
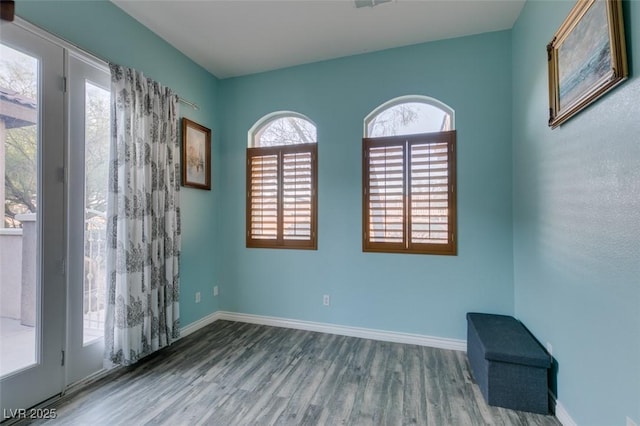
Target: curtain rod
<point>191,104</point>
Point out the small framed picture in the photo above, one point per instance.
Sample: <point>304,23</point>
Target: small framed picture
<point>196,155</point>
<point>587,57</point>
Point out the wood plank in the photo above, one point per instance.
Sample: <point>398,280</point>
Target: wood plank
<point>244,374</point>
<point>414,403</point>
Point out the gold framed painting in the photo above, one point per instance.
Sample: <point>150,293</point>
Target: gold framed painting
<point>196,155</point>
<point>587,57</point>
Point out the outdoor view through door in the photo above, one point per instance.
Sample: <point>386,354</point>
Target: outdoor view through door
<point>19,196</point>
<point>96,147</point>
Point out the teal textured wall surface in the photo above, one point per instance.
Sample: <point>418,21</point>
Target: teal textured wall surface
<point>106,31</point>
<point>548,220</point>
<point>577,226</point>
<point>407,293</point>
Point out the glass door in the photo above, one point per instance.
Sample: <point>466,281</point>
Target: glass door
<point>89,104</point>
<point>32,234</point>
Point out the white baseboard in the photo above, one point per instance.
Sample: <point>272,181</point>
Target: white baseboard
<point>197,325</point>
<point>563,416</point>
<point>365,333</point>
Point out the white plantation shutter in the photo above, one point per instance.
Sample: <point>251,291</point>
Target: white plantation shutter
<point>409,193</point>
<point>281,196</point>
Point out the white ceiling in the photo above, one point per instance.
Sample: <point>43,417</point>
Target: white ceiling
<point>238,37</point>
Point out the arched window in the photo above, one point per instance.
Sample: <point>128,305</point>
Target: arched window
<point>409,179</point>
<point>282,182</point>
<point>409,115</point>
<point>282,128</point>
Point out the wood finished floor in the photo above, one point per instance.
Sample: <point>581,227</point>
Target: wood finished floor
<point>232,373</point>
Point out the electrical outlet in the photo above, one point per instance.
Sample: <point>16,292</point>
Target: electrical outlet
<point>549,348</point>
<point>215,290</point>
<point>197,297</point>
<point>326,300</point>
<point>631,422</point>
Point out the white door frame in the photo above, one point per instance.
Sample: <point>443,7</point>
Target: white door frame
<point>83,360</point>
<point>61,188</point>
<point>45,379</point>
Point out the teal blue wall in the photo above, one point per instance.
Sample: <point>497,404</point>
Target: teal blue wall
<point>548,220</point>
<point>102,28</point>
<point>405,293</point>
<point>577,225</point>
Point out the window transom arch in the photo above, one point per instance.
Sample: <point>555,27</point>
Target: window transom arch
<point>282,183</point>
<point>282,128</point>
<point>409,177</point>
<point>407,115</point>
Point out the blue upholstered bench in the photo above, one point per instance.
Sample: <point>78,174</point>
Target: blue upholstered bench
<point>508,363</point>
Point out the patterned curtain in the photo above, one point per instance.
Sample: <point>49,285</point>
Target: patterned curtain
<point>143,213</point>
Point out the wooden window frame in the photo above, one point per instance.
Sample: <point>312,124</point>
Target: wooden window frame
<point>406,246</point>
<point>280,242</point>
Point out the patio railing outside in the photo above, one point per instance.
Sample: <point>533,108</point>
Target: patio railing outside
<point>94,275</point>
<point>18,288</point>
